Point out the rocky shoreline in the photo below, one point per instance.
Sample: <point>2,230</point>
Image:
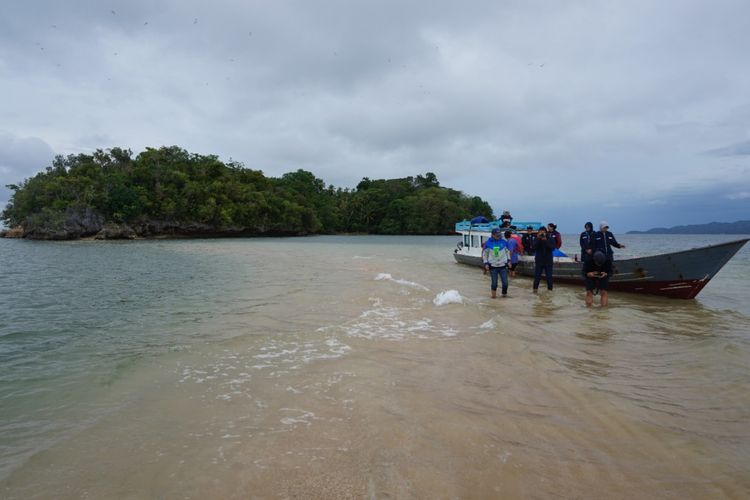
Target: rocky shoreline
<point>146,231</point>
<point>87,224</point>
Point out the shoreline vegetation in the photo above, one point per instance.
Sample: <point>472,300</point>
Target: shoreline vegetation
<point>169,192</point>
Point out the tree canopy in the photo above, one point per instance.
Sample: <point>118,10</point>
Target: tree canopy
<point>172,185</point>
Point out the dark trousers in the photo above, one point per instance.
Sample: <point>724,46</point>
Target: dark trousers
<point>503,272</point>
<point>540,267</point>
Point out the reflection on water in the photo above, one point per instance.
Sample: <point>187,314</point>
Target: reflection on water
<point>231,369</point>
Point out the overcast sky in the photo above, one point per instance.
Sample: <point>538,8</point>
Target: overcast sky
<point>633,111</point>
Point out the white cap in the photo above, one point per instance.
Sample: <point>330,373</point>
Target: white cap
<point>602,225</point>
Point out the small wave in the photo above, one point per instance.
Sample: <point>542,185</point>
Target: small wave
<point>448,297</point>
<point>304,417</point>
<point>388,277</point>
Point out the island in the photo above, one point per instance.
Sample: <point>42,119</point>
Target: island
<point>739,227</point>
<point>169,192</point>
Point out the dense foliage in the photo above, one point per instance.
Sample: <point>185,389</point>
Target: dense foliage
<point>170,184</point>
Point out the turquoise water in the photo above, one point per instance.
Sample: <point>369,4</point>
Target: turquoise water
<point>79,318</point>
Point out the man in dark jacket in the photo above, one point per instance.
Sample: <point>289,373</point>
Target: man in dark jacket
<point>528,241</point>
<point>603,241</point>
<point>554,235</point>
<point>543,258</point>
<point>585,240</point>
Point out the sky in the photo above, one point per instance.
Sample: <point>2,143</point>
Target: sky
<point>633,111</point>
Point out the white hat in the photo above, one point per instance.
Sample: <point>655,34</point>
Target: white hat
<point>602,225</point>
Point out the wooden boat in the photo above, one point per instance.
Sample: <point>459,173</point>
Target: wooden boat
<point>680,274</point>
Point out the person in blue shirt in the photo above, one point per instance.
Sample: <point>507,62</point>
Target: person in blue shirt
<point>603,241</point>
<point>514,250</point>
<point>495,257</point>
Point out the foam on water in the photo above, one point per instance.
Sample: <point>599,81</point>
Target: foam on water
<point>487,325</point>
<point>297,416</point>
<point>448,297</point>
<point>230,374</point>
<point>388,322</point>
<point>388,277</point>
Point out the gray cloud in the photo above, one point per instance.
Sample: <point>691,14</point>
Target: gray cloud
<point>20,158</point>
<point>738,149</point>
<point>551,110</point>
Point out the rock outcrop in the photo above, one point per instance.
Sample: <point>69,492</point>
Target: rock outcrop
<point>14,232</point>
<point>115,232</point>
<point>73,223</point>
<point>70,224</point>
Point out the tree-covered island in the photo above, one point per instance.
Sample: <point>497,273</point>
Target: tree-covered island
<point>171,192</point>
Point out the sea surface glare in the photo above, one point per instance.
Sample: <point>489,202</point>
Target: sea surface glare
<point>363,366</point>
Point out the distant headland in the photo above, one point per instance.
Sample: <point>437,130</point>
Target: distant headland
<point>739,227</point>
<point>169,192</point>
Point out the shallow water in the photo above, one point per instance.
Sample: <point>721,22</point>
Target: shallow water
<point>359,366</point>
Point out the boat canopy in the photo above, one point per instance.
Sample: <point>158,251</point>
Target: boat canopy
<point>466,225</point>
<point>481,219</point>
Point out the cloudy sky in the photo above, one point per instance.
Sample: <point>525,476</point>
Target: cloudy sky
<point>634,111</point>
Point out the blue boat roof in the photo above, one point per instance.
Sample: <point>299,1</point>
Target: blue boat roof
<point>466,225</point>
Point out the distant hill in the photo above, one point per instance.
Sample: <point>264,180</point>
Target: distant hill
<point>739,227</point>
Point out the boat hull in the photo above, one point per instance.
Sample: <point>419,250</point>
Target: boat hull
<point>679,274</point>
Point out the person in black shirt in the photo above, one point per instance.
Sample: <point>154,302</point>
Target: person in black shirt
<point>597,271</point>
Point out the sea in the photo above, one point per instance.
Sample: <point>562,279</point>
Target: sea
<point>360,367</point>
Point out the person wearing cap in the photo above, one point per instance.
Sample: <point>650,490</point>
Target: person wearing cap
<point>596,273</point>
<point>506,219</point>
<point>495,257</point>
<point>543,258</point>
<point>585,240</point>
<point>603,241</point>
